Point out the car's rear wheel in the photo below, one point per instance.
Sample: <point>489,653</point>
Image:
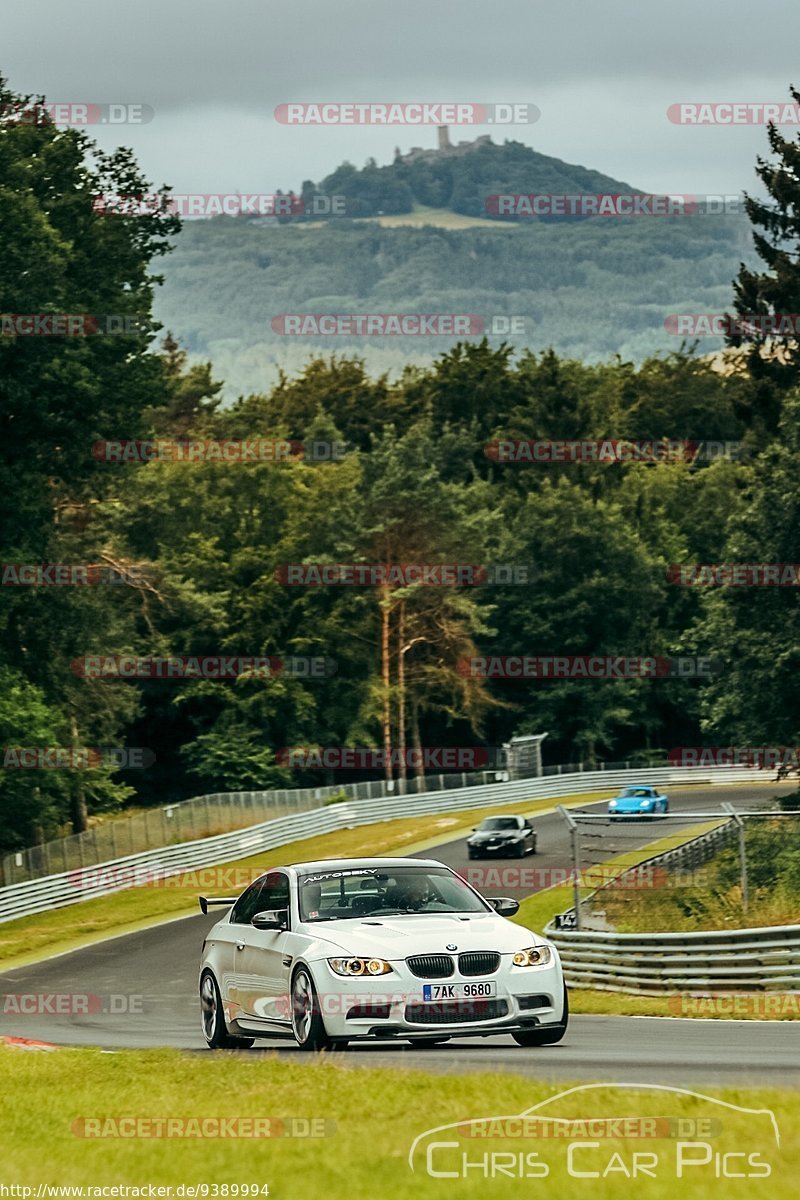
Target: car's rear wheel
<point>308,1026</point>
<point>546,1035</point>
<point>215,1031</point>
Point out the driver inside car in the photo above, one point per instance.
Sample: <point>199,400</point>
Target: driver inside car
<point>412,893</point>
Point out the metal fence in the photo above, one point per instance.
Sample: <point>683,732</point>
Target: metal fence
<point>206,816</point>
<point>760,959</point>
<point>202,817</point>
<point>112,875</point>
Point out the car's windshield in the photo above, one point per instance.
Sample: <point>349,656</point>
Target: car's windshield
<point>637,792</point>
<point>493,823</point>
<point>352,893</point>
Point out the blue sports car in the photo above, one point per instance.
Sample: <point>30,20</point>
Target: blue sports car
<point>638,802</point>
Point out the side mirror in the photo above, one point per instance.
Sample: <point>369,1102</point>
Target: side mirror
<point>273,918</point>
<point>504,906</point>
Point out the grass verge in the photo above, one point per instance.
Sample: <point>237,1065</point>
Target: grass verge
<point>372,1118</point>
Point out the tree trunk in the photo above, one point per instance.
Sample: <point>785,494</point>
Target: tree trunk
<point>419,767</point>
<point>79,813</point>
<point>386,674</point>
<point>401,690</point>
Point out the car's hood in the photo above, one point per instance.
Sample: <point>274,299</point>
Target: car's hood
<point>631,802</point>
<point>397,937</point>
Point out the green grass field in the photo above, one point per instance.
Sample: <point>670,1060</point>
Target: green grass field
<point>369,1120</point>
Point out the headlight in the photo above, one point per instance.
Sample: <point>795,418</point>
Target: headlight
<point>612,804</point>
<point>533,956</point>
<point>359,966</point>
<point>645,804</point>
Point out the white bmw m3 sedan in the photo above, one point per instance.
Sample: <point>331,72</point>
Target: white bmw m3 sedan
<point>375,948</point>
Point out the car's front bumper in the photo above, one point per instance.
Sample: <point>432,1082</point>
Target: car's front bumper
<point>494,849</point>
<point>392,1006</point>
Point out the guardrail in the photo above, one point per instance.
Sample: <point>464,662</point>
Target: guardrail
<point>765,958</point>
<point>205,816</point>
<point>71,887</point>
<point>752,960</point>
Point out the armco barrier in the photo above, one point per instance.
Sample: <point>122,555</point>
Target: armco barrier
<point>70,887</point>
<point>750,960</point>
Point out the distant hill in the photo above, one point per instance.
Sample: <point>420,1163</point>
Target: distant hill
<point>424,243</point>
<point>460,178</point>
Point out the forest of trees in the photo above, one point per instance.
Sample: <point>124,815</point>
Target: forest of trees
<point>415,485</point>
<point>587,289</point>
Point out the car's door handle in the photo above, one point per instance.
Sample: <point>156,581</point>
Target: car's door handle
<point>240,946</point>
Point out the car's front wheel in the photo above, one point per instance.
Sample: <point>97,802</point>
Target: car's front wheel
<point>215,1031</point>
<point>308,1026</point>
<point>546,1035</point>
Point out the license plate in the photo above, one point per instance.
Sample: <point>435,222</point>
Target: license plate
<point>458,991</point>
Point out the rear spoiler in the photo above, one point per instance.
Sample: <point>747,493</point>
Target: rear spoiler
<point>204,901</point>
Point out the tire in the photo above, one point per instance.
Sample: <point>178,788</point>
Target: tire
<point>471,854</point>
<point>212,1018</point>
<point>547,1035</point>
<point>521,850</point>
<point>308,1026</point>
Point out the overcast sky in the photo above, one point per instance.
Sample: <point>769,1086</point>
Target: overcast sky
<point>602,72</point>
